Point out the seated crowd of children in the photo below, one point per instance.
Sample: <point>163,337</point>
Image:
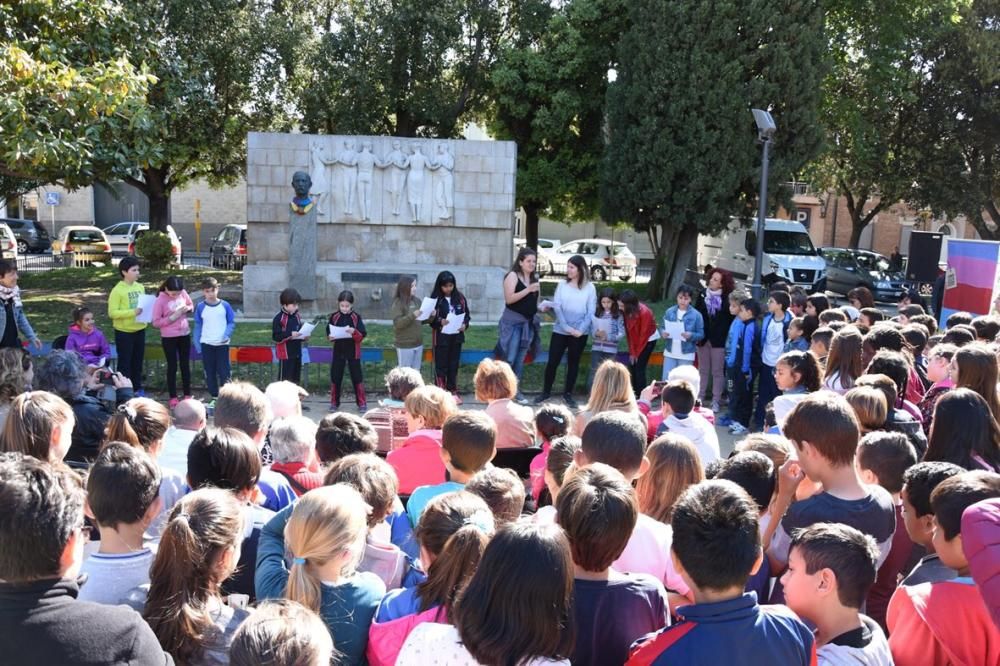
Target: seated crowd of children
<point>858,524</point>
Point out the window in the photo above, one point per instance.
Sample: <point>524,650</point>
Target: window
<point>589,248</point>
<point>787,242</point>
<point>85,236</point>
<point>569,248</point>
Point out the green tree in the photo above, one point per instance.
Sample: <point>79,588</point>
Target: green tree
<point>871,106</point>
<point>399,67</point>
<point>681,156</point>
<point>217,64</point>
<point>548,89</point>
<point>959,168</point>
<point>68,83</point>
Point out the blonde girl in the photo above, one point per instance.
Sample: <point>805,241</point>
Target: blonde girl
<point>325,535</point>
<point>39,424</point>
<point>612,392</point>
<point>674,464</point>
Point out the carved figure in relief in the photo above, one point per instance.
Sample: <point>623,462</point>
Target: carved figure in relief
<point>396,162</point>
<point>444,187</point>
<point>348,159</point>
<point>415,180</point>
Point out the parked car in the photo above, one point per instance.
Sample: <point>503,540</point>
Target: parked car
<point>604,259</point>
<point>847,269</point>
<point>229,247</point>
<point>175,243</point>
<point>8,244</point>
<point>30,235</point>
<point>122,234</point>
<point>545,246</point>
<point>88,245</point>
<point>789,254</point>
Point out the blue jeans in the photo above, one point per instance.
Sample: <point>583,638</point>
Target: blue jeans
<point>671,363</point>
<point>215,359</point>
<point>516,354</point>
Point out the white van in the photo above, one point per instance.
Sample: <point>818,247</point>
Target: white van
<point>789,254</point>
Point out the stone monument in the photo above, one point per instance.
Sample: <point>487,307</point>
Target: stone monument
<point>368,210</point>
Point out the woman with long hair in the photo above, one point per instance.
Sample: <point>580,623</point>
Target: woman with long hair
<point>714,308</point>
<point>964,411</point>
<point>528,619</point>
<point>975,367</point>
<point>519,326</point>
<point>843,364</point>
<point>199,549</point>
<point>674,464</point>
<point>612,392</point>
<point>574,305</point>
<point>407,335</point>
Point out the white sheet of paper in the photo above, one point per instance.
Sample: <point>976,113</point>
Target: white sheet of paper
<point>307,329</point>
<point>547,305</point>
<point>146,303</point>
<point>454,324</point>
<point>601,324</point>
<point>427,306</point>
<point>674,330</point>
<point>339,332</point>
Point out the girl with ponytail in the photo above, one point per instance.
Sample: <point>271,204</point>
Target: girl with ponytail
<point>453,532</point>
<point>325,535</point>
<point>143,423</point>
<point>199,549</point>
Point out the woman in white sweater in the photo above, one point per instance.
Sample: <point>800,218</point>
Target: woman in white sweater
<point>574,305</point>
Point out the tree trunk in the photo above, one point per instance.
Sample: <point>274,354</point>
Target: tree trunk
<point>675,256</point>
<point>531,224</point>
<point>684,259</point>
<point>159,198</point>
<point>661,263</point>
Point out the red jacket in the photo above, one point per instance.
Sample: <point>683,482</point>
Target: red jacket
<point>418,461</point>
<point>638,329</point>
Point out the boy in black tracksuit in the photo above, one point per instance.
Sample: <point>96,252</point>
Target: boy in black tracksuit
<point>448,346</point>
<point>745,369</point>
<point>347,351</point>
<point>284,331</point>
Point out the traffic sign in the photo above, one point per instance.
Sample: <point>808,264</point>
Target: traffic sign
<point>52,198</point>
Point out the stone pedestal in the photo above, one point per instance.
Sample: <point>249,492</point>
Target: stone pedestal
<point>475,242</point>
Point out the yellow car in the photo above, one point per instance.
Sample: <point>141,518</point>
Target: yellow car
<point>87,245</point>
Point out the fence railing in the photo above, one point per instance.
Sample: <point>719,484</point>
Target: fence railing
<point>29,263</point>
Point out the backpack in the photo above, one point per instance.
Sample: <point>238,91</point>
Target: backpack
<point>385,639</point>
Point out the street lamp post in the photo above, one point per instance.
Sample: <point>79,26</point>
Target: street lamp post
<point>765,132</point>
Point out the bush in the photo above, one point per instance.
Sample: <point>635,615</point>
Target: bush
<point>155,249</point>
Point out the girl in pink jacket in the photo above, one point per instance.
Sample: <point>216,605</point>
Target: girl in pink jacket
<point>170,312</point>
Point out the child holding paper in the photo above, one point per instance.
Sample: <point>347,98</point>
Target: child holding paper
<point>346,330</point>
<point>130,334</point>
<point>449,321</point>
<point>609,328</point>
<point>408,336</point>
<point>286,331</point>
<point>683,329</point>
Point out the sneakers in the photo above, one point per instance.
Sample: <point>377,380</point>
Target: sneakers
<point>210,407</point>
<point>334,406</point>
<point>570,402</point>
<point>172,403</point>
<point>139,393</point>
<point>716,407</point>
<point>724,421</point>
<point>362,407</point>
<point>520,399</point>
<point>542,397</point>
<point>738,429</point>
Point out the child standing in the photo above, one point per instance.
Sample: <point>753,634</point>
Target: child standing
<point>451,305</point>
<point>285,332</point>
<point>797,336</point>
<point>130,335</point>
<point>407,334</point>
<point>606,334</point>
<point>214,321</point>
<point>830,569</point>
<point>325,533</point>
<point>947,622</point>
<point>86,339</point>
<point>641,333</point>
<point>682,352</point>
<point>773,334</point>
<point>732,340</point>
<point>744,369</point>
<point>170,316</point>
<point>347,352</point>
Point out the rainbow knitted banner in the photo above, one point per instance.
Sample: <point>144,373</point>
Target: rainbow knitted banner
<point>976,277</point>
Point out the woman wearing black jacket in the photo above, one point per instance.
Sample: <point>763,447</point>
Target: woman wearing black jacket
<point>714,308</point>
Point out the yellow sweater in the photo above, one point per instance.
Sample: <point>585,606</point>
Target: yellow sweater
<point>122,302</point>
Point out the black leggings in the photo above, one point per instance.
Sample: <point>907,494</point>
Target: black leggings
<point>131,348</point>
<point>447,356</point>
<point>638,369</point>
<point>178,349</point>
<point>561,343</point>
<point>337,376</point>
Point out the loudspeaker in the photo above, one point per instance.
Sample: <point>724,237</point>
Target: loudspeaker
<point>923,257</point>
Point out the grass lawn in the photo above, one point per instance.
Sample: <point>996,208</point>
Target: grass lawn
<point>49,298</point>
